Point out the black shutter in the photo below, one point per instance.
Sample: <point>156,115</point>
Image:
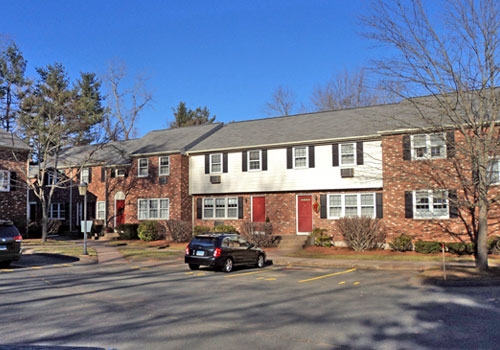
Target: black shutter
<point>322,203</point>
<point>450,144</point>
<point>113,172</point>
<point>289,158</point>
<point>199,208</point>
<point>240,207</point>
<point>452,203</point>
<point>359,153</point>
<point>207,163</point>
<point>335,154</point>
<point>126,172</point>
<point>224,162</point>
<point>379,205</point>
<point>406,147</point>
<point>90,175</point>
<point>13,181</point>
<point>408,204</point>
<point>264,159</point>
<point>66,211</point>
<point>103,174</point>
<point>244,161</point>
<point>311,156</point>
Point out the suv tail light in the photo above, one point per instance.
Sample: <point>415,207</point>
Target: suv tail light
<point>187,250</point>
<point>217,252</point>
<point>18,238</point>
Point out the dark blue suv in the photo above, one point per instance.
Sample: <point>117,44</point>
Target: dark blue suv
<point>222,251</point>
<point>10,243</point>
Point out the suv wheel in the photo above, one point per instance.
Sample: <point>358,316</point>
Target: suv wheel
<point>4,264</point>
<point>228,265</point>
<point>194,267</point>
<point>260,261</point>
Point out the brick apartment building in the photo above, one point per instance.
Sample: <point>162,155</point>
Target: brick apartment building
<point>13,193</point>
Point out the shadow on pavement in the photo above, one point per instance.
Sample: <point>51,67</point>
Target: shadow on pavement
<point>42,259</point>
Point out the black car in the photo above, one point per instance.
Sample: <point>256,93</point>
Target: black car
<point>222,251</point>
<point>10,243</point>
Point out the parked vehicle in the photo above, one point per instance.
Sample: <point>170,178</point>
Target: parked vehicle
<point>10,243</point>
<point>222,251</point>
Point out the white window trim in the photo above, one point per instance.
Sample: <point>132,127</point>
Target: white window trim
<point>103,216</point>
<point>353,153</point>
<point>491,162</point>
<point>211,163</point>
<point>149,209</point>
<point>160,172</point>
<point>120,172</point>
<point>5,184</point>
<point>254,161</point>
<point>428,145</point>
<point>142,167</point>
<point>358,204</point>
<point>59,210</point>
<point>430,196</point>
<point>226,208</point>
<point>52,177</point>
<point>306,157</point>
<point>84,175</point>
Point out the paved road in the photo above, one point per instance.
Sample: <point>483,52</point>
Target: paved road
<point>166,306</point>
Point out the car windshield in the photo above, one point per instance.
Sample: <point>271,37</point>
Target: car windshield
<point>8,231</point>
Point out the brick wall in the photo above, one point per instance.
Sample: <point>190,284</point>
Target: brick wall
<point>134,188</point>
<point>13,203</point>
<point>405,175</point>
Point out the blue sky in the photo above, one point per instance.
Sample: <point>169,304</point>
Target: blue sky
<point>227,55</point>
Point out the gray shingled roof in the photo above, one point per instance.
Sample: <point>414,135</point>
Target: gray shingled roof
<point>120,152</point>
<point>172,140</point>
<point>355,123</point>
<point>8,140</point>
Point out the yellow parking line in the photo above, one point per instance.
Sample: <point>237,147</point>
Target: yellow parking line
<point>329,275</point>
<point>245,274</point>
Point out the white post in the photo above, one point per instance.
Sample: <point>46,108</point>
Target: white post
<point>85,224</point>
<point>82,188</point>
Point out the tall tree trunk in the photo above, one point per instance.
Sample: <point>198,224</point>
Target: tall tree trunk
<point>45,221</point>
<point>481,252</point>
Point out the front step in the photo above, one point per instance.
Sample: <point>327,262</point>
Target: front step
<point>292,242</point>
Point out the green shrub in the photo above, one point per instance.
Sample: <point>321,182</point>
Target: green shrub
<point>321,238</point>
<point>427,247</point>
<point>199,230</point>
<point>361,233</point>
<point>402,243</point>
<point>148,231</point>
<point>460,248</point>
<point>225,229</point>
<point>127,231</point>
<point>494,245</point>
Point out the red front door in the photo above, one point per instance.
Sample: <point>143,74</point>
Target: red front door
<point>304,214</point>
<point>120,212</point>
<point>258,209</point>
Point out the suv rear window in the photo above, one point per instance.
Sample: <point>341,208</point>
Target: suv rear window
<point>205,241</point>
<point>7,231</point>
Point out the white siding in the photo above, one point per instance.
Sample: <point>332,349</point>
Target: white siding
<point>323,176</point>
